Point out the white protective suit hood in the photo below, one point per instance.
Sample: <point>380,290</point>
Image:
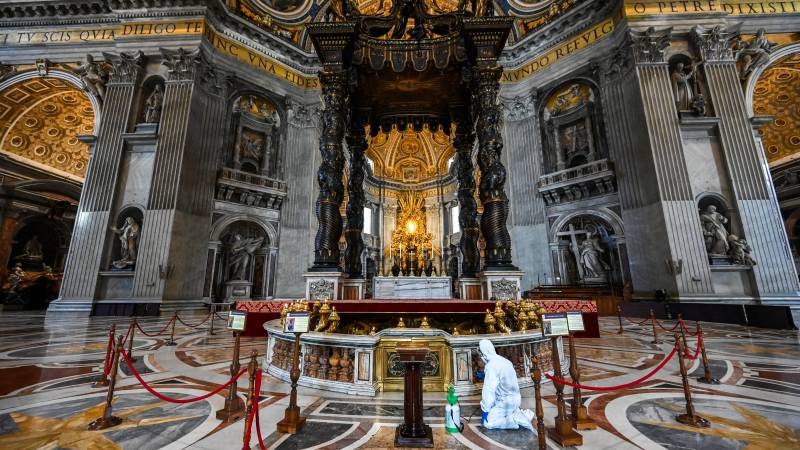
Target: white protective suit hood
<point>500,397</point>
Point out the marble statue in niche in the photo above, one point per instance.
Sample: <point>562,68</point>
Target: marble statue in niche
<point>128,243</point>
<point>240,254</point>
<point>714,232</point>
<point>153,105</point>
<point>593,265</point>
<point>683,85</point>
<point>740,251</point>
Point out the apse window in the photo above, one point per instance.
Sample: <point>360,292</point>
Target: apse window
<point>368,220</point>
<point>455,227</point>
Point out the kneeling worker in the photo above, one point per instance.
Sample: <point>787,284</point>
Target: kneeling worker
<point>500,397</point>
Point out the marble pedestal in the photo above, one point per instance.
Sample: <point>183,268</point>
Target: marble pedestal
<point>323,285</point>
<point>411,287</point>
<point>238,289</point>
<point>502,285</point>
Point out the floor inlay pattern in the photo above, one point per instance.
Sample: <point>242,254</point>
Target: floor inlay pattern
<point>47,400</point>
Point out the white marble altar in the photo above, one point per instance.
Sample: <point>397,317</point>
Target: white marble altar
<point>411,287</point>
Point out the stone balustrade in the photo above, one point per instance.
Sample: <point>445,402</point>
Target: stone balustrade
<point>592,179</point>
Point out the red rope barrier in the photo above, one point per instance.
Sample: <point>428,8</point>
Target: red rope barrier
<point>253,413</point>
<point>194,326</point>
<point>668,329</point>
<point>686,330</point>
<point>635,322</point>
<point>258,422</point>
<point>621,386</point>
<point>156,334</point>
<point>697,350</point>
<point>127,335</point>
<point>177,400</point>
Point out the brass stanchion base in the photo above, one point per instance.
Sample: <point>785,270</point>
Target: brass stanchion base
<point>425,441</point>
<point>292,421</point>
<point>100,382</point>
<point>171,343</point>
<point>705,380</point>
<point>103,423</point>
<point>232,411</point>
<point>563,434</point>
<point>693,420</point>
<point>583,421</point>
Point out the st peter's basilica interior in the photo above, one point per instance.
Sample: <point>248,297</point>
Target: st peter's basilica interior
<point>373,224</point>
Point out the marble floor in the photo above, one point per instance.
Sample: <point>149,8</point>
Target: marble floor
<point>46,397</point>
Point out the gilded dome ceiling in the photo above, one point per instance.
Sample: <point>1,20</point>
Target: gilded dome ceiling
<point>40,121</point>
<point>410,156</point>
<point>776,94</point>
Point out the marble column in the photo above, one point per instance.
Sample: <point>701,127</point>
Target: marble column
<point>488,126</point>
<point>761,221</point>
<point>331,171</point>
<point>660,214</point>
<point>90,234</point>
<point>529,230</point>
<point>357,143</point>
<point>464,142</point>
<point>296,249</point>
<point>8,225</point>
<point>178,217</point>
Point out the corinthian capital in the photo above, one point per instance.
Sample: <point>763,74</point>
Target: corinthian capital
<point>520,107</point>
<point>714,43</point>
<point>649,45</point>
<point>125,67</point>
<point>180,63</point>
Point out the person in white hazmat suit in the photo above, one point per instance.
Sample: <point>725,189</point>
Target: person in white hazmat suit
<point>500,397</point>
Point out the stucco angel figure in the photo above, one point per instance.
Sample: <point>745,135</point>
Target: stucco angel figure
<point>714,231</point>
<point>683,86</point>
<point>753,54</point>
<point>128,242</point>
<point>593,265</point>
<point>740,251</point>
<point>94,76</point>
<point>240,252</point>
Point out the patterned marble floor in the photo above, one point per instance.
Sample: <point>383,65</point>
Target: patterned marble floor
<point>46,398</point>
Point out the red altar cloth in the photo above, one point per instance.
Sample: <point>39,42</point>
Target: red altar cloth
<point>260,311</point>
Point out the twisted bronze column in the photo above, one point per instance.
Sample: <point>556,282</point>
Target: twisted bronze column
<point>468,207</point>
<point>488,124</point>
<point>357,143</point>
<point>329,175</point>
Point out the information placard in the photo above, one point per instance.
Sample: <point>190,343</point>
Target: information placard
<point>555,324</point>
<point>575,321</point>
<point>236,320</point>
<point>296,322</point>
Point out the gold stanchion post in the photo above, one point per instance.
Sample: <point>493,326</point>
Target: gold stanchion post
<point>130,340</point>
<point>251,393</point>
<point>562,432</point>
<point>690,418</point>
<point>292,421</point>
<point>707,378</point>
<point>580,415</point>
<point>102,380</point>
<point>619,317</point>
<point>537,390</point>
<point>234,406</point>
<point>655,332</point>
<point>680,327</point>
<point>108,419</point>
<point>171,340</point>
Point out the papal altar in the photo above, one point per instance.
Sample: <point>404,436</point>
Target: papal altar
<point>412,287</point>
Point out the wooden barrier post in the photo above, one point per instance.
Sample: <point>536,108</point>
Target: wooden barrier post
<point>537,389</point>
<point>580,415</point>
<point>234,406</point>
<point>102,380</point>
<point>171,340</point>
<point>562,432</point>
<point>130,340</point>
<point>690,418</point>
<point>655,332</point>
<point>707,378</point>
<point>108,420</point>
<point>292,421</point>
<point>252,366</point>
<point>619,317</point>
